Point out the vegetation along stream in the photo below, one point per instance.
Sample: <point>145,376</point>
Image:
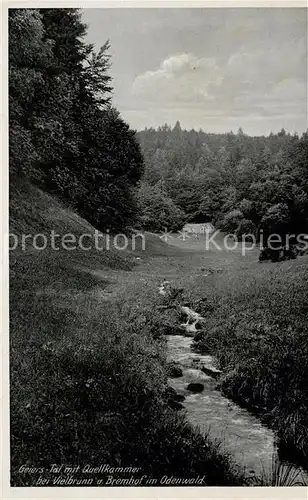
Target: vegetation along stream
<point>251,443</point>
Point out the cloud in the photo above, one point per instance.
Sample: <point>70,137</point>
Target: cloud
<point>290,89</point>
<point>179,78</point>
<point>266,64</point>
<point>289,96</point>
<point>207,66</point>
<point>269,80</point>
<point>264,80</point>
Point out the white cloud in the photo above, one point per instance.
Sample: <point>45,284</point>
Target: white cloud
<point>179,78</point>
<point>208,67</point>
<point>266,64</point>
<point>266,79</point>
<point>290,89</point>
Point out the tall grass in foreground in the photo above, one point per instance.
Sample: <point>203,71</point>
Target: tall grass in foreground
<point>281,474</point>
<point>88,383</point>
<point>257,328</point>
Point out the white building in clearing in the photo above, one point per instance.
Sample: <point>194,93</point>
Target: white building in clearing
<point>204,228</point>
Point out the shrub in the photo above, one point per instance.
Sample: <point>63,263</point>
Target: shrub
<point>231,221</point>
<point>245,227</point>
<point>276,221</point>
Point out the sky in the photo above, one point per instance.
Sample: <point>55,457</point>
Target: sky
<point>215,69</point>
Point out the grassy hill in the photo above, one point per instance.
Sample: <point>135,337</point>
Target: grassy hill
<point>88,371</point>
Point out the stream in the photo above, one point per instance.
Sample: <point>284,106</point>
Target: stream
<point>251,444</point>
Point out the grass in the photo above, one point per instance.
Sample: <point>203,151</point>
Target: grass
<point>281,475</point>
<point>88,373</point>
<point>256,326</point>
<point>88,366</point>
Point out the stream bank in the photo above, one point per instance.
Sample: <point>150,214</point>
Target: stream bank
<point>251,443</point>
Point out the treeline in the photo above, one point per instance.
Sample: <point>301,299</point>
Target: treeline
<point>64,134</point>
<point>66,137</point>
<point>240,183</point>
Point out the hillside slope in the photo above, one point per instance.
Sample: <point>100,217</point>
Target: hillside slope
<point>88,373</point>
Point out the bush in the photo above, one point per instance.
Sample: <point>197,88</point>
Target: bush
<point>276,221</point>
<point>279,254</point>
<point>231,221</point>
<point>245,227</point>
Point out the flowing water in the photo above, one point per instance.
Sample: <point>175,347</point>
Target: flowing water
<point>248,441</point>
<point>242,435</point>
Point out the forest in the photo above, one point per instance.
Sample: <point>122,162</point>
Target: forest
<point>66,137</point>
<point>240,183</point>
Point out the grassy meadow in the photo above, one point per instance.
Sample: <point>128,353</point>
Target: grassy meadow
<point>88,364</point>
